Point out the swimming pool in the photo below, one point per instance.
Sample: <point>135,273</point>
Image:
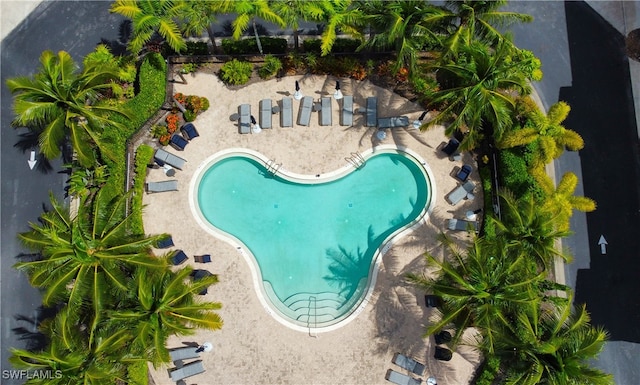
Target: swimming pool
<point>313,241</point>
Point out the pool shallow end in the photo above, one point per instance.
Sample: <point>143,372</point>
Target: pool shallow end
<point>365,290</point>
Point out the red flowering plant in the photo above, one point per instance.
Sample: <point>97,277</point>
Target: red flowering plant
<point>173,121</point>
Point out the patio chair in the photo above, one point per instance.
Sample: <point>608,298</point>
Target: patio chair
<point>165,242</point>
<point>346,116</point>
<point>189,131</point>
<point>463,174</point>
<point>442,354</point>
<point>163,157</point>
<point>197,275</point>
<point>408,363</point>
<point>442,337</point>
<point>460,192</point>
<point>162,186</point>
<point>178,258</point>
<point>244,121</point>
<point>304,114</point>
<point>401,379</point>
<point>372,111</point>
<point>286,114</point>
<point>206,258</point>
<point>451,147</point>
<point>431,300</point>
<point>188,370</point>
<point>265,113</point>
<point>178,142</point>
<point>462,225</point>
<point>184,353</point>
<point>325,112</point>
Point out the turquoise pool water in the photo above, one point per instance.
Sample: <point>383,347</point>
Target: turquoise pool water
<point>313,243</point>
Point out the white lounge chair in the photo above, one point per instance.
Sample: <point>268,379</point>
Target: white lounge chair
<point>460,192</point>
<point>372,111</point>
<point>401,379</point>
<point>286,114</point>
<point>393,122</point>
<point>347,111</point>
<point>185,353</point>
<point>244,122</point>
<point>162,186</point>
<point>462,225</point>
<point>304,115</point>
<point>265,113</point>
<point>188,370</point>
<point>325,112</point>
<point>408,363</point>
<point>163,157</point>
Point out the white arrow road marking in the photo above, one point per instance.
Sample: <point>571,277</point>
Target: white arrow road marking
<point>603,244</point>
<point>32,160</point>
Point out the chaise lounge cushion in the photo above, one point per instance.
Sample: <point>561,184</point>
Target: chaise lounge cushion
<point>189,131</point>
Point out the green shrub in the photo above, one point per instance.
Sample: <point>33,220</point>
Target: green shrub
<point>236,72</point>
<point>487,191</point>
<point>189,116</point>
<point>513,173</point>
<point>188,68</point>
<point>193,48</point>
<point>341,45</point>
<point>488,372</point>
<point>158,130</point>
<point>270,67</point>
<point>270,45</point>
<point>144,154</point>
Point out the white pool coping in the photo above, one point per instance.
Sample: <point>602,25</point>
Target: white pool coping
<point>384,247</point>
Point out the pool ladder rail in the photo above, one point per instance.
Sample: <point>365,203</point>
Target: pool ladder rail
<point>313,306</point>
<point>272,167</point>
<point>356,160</point>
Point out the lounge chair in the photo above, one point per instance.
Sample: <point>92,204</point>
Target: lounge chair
<point>346,117</point>
<point>442,337</point>
<point>393,122</point>
<point>198,274</point>
<point>265,113</point>
<point>462,225</point>
<point>184,353</point>
<point>442,354</point>
<point>165,243</point>
<point>304,114</point>
<point>178,142</point>
<point>244,121</point>
<point>286,114</point>
<point>431,300</point>
<point>408,363</point>
<point>188,370</point>
<point>460,192</point>
<point>162,186</point>
<point>325,112</point>
<point>163,157</point>
<point>451,147</point>
<point>401,379</point>
<point>372,111</point>
<point>178,258</point>
<point>463,174</point>
<point>189,131</point>
<point>206,258</point>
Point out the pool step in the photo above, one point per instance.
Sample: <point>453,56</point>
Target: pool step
<point>316,308</point>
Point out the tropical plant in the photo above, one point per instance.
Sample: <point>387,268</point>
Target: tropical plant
<point>272,65</point>
<point>61,103</point>
<point>162,303</point>
<point>559,200</point>
<point>340,15</point>
<point>247,10</point>
<point>292,11</point>
<point>552,345</point>
<point>84,182</point>
<point>548,133</point>
<point>236,72</point>
<point>198,15</point>
<point>480,288</point>
<point>476,90</point>
<point>85,257</point>
<point>149,17</point>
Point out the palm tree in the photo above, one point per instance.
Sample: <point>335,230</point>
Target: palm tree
<point>162,303</point>
<point>85,257</point>
<point>198,15</point>
<point>72,358</point>
<point>529,229</point>
<point>247,11</point>
<point>341,15</point>
<point>552,346</point>
<point>149,17</point>
<point>292,11</point>
<point>403,26</point>
<point>480,288</point>
<point>560,201</point>
<point>60,102</point>
<point>476,90</point>
<point>548,133</point>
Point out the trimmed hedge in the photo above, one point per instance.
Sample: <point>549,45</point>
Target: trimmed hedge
<point>144,154</point>
<point>341,45</point>
<point>194,48</point>
<point>270,45</point>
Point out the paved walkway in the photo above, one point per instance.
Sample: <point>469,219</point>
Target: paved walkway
<point>13,13</point>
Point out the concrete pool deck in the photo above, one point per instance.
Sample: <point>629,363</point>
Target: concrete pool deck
<point>252,347</point>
